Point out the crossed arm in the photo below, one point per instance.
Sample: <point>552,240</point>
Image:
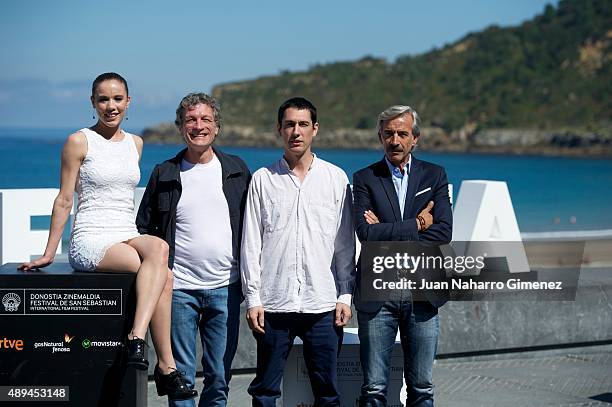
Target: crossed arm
<point>437,216</point>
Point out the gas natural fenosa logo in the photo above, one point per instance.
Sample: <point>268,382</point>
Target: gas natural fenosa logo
<point>61,346</point>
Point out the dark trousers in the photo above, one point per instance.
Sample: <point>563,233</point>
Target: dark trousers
<point>322,340</point>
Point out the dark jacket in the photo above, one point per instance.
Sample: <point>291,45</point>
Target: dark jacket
<point>157,212</point>
<point>373,190</point>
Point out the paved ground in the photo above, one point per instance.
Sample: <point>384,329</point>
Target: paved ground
<point>570,379</point>
<point>567,378</point>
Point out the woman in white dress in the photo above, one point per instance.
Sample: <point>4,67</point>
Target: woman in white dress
<point>101,164</point>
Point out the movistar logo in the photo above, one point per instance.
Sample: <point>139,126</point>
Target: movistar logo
<point>88,343</point>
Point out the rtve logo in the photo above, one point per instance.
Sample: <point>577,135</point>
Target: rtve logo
<point>16,344</point>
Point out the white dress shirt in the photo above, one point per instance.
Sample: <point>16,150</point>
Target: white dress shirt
<point>298,241</point>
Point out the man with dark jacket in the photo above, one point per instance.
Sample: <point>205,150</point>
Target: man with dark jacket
<point>399,198</point>
<point>195,202</point>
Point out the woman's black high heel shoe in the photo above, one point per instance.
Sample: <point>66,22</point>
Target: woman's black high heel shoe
<point>137,354</point>
<point>173,385</point>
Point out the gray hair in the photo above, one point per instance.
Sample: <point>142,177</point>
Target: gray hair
<point>397,111</point>
<point>194,99</point>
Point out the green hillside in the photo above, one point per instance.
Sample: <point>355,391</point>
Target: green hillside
<point>551,72</point>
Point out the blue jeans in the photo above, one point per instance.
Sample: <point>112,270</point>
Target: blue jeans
<point>419,327</point>
<point>322,340</point>
<point>216,313</point>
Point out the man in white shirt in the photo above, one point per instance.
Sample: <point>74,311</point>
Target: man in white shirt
<point>195,202</point>
<point>298,259</point>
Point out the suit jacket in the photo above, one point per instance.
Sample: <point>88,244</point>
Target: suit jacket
<point>373,190</point>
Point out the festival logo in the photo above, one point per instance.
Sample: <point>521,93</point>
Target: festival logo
<point>11,302</point>
<point>72,301</point>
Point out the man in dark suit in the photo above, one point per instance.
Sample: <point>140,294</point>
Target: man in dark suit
<point>399,198</point>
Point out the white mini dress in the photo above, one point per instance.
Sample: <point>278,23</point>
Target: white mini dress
<point>105,188</point>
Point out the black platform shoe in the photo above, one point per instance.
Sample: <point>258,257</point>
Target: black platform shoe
<point>173,385</point>
<point>137,353</point>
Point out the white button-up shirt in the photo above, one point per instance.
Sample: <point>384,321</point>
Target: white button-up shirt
<point>298,241</point>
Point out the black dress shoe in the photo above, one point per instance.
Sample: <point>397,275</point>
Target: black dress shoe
<point>137,354</point>
<point>173,385</point>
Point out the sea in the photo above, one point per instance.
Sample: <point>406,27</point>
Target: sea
<point>549,194</point>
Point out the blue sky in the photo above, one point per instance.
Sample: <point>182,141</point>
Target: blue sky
<point>52,50</point>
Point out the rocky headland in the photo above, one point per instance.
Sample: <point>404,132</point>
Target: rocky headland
<point>503,141</point>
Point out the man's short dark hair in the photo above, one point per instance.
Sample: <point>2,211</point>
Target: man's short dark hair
<point>300,104</point>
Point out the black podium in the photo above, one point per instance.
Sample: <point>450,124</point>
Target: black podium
<point>61,335</point>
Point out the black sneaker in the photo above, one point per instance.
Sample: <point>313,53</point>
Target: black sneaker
<point>173,385</point>
<point>137,353</point>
